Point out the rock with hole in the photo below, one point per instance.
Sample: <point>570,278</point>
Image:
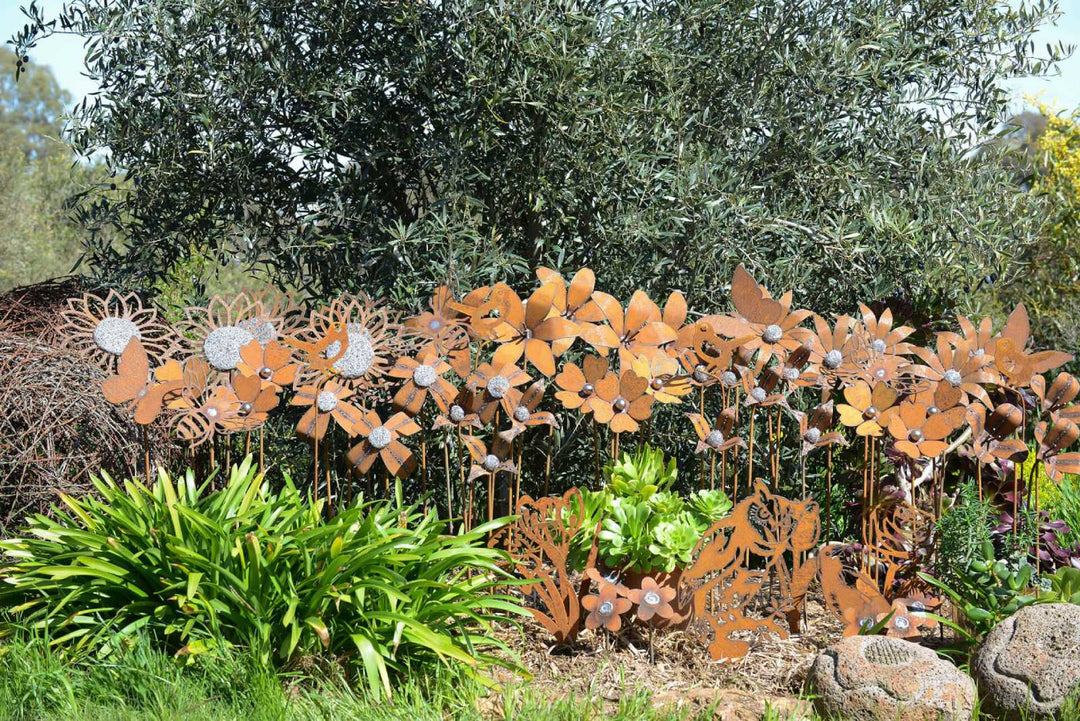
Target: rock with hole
<point>867,678</point>
<point>1029,664</point>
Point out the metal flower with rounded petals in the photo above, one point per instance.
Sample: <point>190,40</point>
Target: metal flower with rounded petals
<point>652,599</point>
<point>621,402</point>
<point>529,329</point>
<point>990,437</point>
<point>573,302</point>
<point>461,413</point>
<point>257,398</point>
<point>324,401</point>
<point>605,608</point>
<point>133,385</point>
<point>1059,395</point>
<point>866,410</point>
<point>662,373</point>
<point>525,414</point>
<point>201,410</point>
<point>423,377</point>
<point>102,328</point>
<point>640,328</point>
<point>383,441</point>
<point>1053,438</point>
<point>578,385</point>
<point>272,363</point>
<point>920,435</point>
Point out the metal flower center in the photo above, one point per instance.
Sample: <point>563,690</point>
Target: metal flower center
<point>715,438</point>
<point>729,379</point>
<point>326,401</point>
<point>758,394</point>
<point>915,435</point>
<point>656,384</point>
<point>833,359</point>
<point>933,411</point>
<point>901,622</point>
<point>878,345</point>
<point>498,386</point>
<point>245,409</point>
<point>211,412</point>
<point>621,405</point>
<point>424,376</point>
<point>953,377</point>
<point>813,435</point>
<point>521,414</point>
<point>652,598</point>
<point>791,374</point>
<point>606,608</point>
<point>380,437</point>
<point>261,329</point>
<point>222,346</point>
<point>435,324</point>
<point>457,413</point>
<point>880,373</point>
<point>772,333</point>
<point>266,373</point>
<point>491,462</point>
<point>587,390</point>
<point>700,375</point>
<point>358,357</point>
<point>870,413</point>
<point>113,334</point>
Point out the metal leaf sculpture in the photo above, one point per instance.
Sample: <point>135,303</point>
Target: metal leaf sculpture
<point>540,547</point>
<point>765,536</point>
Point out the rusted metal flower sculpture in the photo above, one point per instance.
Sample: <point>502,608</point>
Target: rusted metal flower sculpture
<point>529,329</point>
<point>218,331</point>
<point>102,328</point>
<point>488,461</point>
<point>661,371</point>
<point>383,441</point>
<point>866,410</point>
<point>958,367</point>
<point>257,398</point>
<point>652,599</point>
<point>573,302</point>
<point>1059,395</point>
<point>719,436</point>
<point>325,401</point>
<point>201,410</point>
<point>441,328</point>
<point>831,349</point>
<point>919,434</point>
<point>273,316</point>
<point>763,390</point>
<point>990,438</point>
<point>605,608</point>
<point>271,363</point>
<point>578,385</point>
<point>876,336</point>
<point>621,402</point>
<point>1053,438</point>
<point>495,383</point>
<point>771,322</point>
<point>815,428</point>
<point>1011,357</point>
<point>979,341</point>
<point>525,414</point>
<point>133,385</point>
<point>423,376</point>
<point>641,327</point>
<point>461,413</point>
<point>372,337</point>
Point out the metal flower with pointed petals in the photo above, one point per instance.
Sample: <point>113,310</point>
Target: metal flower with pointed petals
<point>494,383</point>
<point>718,437</point>
<point>102,328</point>
<point>325,401</point>
<point>525,414</point>
<point>382,441</point>
<point>423,377</point>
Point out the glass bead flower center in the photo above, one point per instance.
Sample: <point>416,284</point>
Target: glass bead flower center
<point>772,333</point>
<point>498,386</point>
<point>878,345</point>
<point>652,598</point>
<point>606,608</point>
<point>457,413</point>
<point>758,394</point>
<point>521,414</point>
<point>326,401</point>
<point>715,438</point>
<point>379,438</point>
<point>729,379</point>
<point>813,435</point>
<point>222,346</point>
<point>901,623</point>
<point>112,334</point>
<point>424,376</point>
<point>791,374</point>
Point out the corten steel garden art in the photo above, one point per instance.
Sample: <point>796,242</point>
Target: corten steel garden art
<point>482,401</point>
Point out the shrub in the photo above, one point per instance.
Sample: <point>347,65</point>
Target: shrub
<point>379,585</point>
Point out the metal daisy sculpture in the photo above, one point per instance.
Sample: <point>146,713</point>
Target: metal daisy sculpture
<point>494,382</point>
<point>217,331</point>
<point>443,330</point>
<point>102,328</point>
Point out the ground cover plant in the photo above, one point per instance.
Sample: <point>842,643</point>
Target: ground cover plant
<point>193,569</point>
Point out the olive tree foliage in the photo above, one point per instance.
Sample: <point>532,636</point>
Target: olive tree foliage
<point>389,146</point>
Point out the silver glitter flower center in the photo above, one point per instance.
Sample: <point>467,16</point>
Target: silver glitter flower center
<point>261,329</point>
<point>652,598</point>
<point>758,394</point>
<point>953,377</point>
<point>424,376</point>
<point>326,401</point>
<point>729,379</point>
<point>521,414</point>
<point>878,345</point>
<point>791,374</point>
<point>813,435</point>
<point>222,346</point>
<point>379,438</point>
<point>606,608</point>
<point>457,413</point>
<point>833,359</point>
<point>772,333</point>
<point>113,334</point>
<point>358,357</point>
<point>498,386</point>
<point>715,438</point>
<point>491,462</point>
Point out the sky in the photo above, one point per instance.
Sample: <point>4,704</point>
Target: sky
<point>65,54</point>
